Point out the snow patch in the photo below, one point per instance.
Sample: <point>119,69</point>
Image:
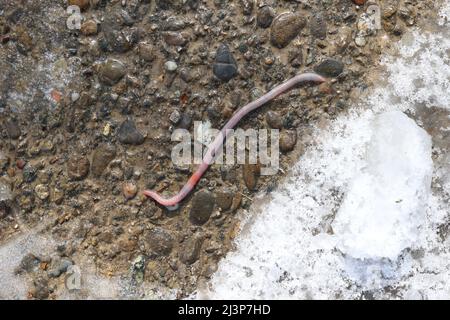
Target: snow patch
<point>384,206</point>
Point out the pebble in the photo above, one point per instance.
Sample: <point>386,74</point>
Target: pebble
<point>170,66</point>
<point>224,199</point>
<point>175,117</point>
<point>29,263</point>
<point>159,241</point>
<point>129,134</point>
<point>111,71</point>
<point>129,190</point>
<point>265,16</point>
<point>29,173</point>
<point>12,129</point>
<point>202,206</point>
<point>83,4</point>
<point>174,38</point>
<point>285,27</point>
<point>42,191</point>
<point>78,167</point>
<point>360,41</point>
<point>359,2</point>
<point>40,288</point>
<point>273,119</point>
<point>288,140</point>
<point>318,26</point>
<point>146,51</point>
<point>58,266</point>
<point>250,174</point>
<point>191,249</point>
<point>102,156</point>
<point>247,6</point>
<point>25,200</point>
<point>224,66</point>
<point>329,68</point>
<point>20,163</point>
<point>89,28</point>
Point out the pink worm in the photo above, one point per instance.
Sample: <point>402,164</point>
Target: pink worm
<point>218,141</point>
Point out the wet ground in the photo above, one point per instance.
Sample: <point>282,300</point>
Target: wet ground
<point>87,115</point>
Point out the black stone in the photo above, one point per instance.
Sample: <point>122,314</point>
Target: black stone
<point>202,207</point>
<point>128,133</point>
<point>330,68</point>
<point>224,66</point>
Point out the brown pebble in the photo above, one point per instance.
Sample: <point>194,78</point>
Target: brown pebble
<point>288,140</point>
<point>250,174</point>
<point>359,2</point>
<point>83,4</point>
<point>20,163</point>
<point>78,167</point>
<point>89,28</point>
<point>129,190</point>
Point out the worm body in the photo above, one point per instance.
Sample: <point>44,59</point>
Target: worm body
<point>214,147</point>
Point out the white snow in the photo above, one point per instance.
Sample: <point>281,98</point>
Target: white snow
<point>358,218</point>
<point>384,205</point>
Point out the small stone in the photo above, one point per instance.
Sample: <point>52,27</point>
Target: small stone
<point>20,163</point>
<point>13,129</point>
<point>265,16</point>
<point>202,207</point>
<point>224,66</point>
<point>129,190</point>
<point>285,28</point>
<point>106,129</point>
<point>318,27</point>
<point>28,264</point>
<point>111,71</point>
<point>29,174</point>
<point>159,241</point>
<point>288,140</point>
<point>146,51</point>
<point>25,200</point>
<point>360,41</point>
<point>174,38</point>
<point>78,167</point>
<point>42,191</point>
<point>58,266</point>
<point>273,119</point>
<point>89,28</point>
<point>57,196</point>
<point>129,134</point>
<point>359,2</point>
<point>190,252</point>
<point>138,269</point>
<point>175,117</point>
<point>250,174</point>
<point>102,156</point>
<point>83,4</point>
<point>330,68</point>
<point>170,66</point>
<point>224,199</point>
<point>40,288</point>
<point>247,6</point>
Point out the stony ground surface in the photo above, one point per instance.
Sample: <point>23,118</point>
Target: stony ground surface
<point>87,115</point>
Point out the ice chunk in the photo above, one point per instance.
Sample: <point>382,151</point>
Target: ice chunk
<point>385,204</point>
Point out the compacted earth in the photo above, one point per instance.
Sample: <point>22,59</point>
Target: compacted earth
<point>87,114</point>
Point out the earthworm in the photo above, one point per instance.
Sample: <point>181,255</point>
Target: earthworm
<point>218,141</point>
